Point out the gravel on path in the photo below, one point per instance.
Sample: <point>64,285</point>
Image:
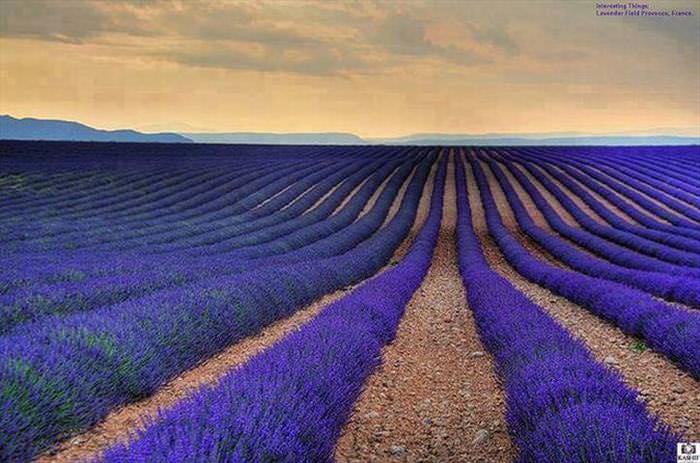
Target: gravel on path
<point>121,424</point>
<point>436,397</point>
<point>668,391</point>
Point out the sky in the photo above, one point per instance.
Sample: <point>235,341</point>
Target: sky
<point>376,69</point>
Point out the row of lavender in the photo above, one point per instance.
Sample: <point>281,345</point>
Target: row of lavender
<point>562,404</point>
<point>559,419</point>
<point>285,242</point>
<point>622,294</point>
<point>66,363</point>
<point>291,402</point>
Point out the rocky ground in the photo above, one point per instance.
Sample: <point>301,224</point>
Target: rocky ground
<point>669,392</point>
<point>122,423</point>
<point>436,397</point>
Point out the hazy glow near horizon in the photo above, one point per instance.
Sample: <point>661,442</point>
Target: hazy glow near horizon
<point>370,68</point>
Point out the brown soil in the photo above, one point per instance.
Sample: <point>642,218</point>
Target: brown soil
<point>436,391</point>
<point>508,216</point>
<point>352,193</point>
<point>421,213</point>
<point>578,201</point>
<point>378,192</point>
<point>122,423</point>
<point>398,199</point>
<point>534,248</point>
<point>669,392</point>
<point>281,192</point>
<point>597,196</point>
<point>645,195</point>
<point>626,199</point>
<point>534,212</point>
<point>314,205</point>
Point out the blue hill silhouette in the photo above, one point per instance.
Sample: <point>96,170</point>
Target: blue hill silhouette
<point>324,138</point>
<point>45,129</point>
<point>12,128</point>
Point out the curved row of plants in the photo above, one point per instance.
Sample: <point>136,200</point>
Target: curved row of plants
<point>112,199</point>
<point>674,175</point>
<point>665,328</point>
<point>290,402</point>
<point>618,195</point>
<point>562,405</point>
<point>621,237</point>
<point>53,267</point>
<point>139,206</point>
<point>100,167</point>
<point>605,212</point>
<point>676,200</point>
<point>668,286</point>
<point>646,164</point>
<point>124,263</point>
<point>217,193</point>
<point>321,238</point>
<point>648,201</point>
<point>63,375</point>
<point>618,254</point>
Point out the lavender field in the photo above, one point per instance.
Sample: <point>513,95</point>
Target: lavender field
<point>273,303</point>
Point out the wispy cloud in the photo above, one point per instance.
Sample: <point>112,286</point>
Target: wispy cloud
<point>406,35</point>
<point>494,35</point>
<point>314,61</point>
<point>375,67</point>
<point>74,21</point>
<point>298,38</point>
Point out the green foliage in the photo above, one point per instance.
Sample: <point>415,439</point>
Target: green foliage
<point>639,347</point>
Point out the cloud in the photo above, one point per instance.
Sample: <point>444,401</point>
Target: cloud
<point>74,21</point>
<point>326,38</point>
<point>314,61</point>
<point>221,35</point>
<point>242,37</point>
<point>228,22</point>
<point>304,38</point>
<point>495,36</point>
<point>405,35</point>
<point>566,55</point>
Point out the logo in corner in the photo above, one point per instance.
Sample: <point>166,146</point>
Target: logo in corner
<point>687,452</point>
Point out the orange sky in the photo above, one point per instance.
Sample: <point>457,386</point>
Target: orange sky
<point>370,68</point>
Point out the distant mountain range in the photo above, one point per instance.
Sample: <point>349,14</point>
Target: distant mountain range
<point>278,138</point>
<point>527,139</point>
<point>42,129</point>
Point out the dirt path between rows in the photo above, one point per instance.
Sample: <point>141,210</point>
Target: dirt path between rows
<point>535,213</point>
<point>658,202</point>
<point>532,246</point>
<point>573,197</point>
<point>122,423</point>
<point>436,397</point>
<point>623,197</point>
<point>615,209</point>
<point>668,391</point>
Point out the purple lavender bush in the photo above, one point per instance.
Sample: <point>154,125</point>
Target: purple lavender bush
<point>290,402</point>
<point>562,405</point>
<point>667,329</point>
